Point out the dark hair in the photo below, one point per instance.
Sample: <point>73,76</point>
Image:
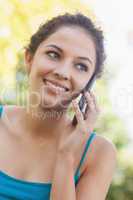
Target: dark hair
<point>67,19</point>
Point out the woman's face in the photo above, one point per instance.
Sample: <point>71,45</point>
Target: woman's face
<point>66,57</point>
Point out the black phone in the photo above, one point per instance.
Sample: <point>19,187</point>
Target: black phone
<point>82,99</point>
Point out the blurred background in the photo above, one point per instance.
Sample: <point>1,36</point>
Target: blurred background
<point>19,19</point>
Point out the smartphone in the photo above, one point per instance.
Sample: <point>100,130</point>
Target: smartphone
<point>82,99</point>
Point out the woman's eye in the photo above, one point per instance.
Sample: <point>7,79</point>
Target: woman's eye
<point>52,54</point>
<point>82,67</point>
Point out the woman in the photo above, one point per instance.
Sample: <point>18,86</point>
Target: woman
<point>43,155</point>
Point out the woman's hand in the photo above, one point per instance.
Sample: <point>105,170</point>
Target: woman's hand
<point>74,143</point>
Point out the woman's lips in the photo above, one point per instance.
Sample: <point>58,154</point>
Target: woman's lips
<point>56,89</point>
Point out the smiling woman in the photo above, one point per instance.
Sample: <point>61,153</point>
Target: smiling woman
<point>51,154</point>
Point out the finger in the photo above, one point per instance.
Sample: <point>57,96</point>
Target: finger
<point>89,109</point>
<point>86,112</point>
<point>78,113</point>
<point>90,101</point>
<point>95,102</point>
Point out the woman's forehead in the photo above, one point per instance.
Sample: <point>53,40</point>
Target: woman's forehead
<point>72,38</point>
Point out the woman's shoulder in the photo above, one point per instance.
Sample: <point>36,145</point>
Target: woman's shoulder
<point>9,116</point>
<point>101,148</point>
<point>102,142</point>
<point>11,110</point>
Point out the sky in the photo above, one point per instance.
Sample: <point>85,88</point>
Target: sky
<point>117,19</point>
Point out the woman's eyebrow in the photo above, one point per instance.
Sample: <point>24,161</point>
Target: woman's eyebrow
<point>53,45</point>
<point>85,58</point>
<point>80,57</point>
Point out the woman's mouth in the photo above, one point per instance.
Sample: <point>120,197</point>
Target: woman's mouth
<point>54,87</point>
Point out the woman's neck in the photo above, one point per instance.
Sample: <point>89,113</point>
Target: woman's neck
<point>41,123</point>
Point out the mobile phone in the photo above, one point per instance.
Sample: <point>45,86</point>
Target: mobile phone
<point>82,99</point>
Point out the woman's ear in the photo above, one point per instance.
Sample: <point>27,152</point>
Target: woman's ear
<point>28,58</point>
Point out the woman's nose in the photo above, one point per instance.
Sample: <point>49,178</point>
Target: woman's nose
<point>61,75</point>
<point>62,72</point>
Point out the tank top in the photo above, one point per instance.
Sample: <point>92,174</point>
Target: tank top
<point>12,188</point>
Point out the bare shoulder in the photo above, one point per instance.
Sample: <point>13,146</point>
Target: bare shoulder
<point>8,118</point>
<point>102,150</point>
<point>104,144</point>
<point>101,165</point>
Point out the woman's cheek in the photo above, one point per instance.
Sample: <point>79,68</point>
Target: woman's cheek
<point>45,67</point>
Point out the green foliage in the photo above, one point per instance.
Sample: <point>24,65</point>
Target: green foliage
<point>122,187</point>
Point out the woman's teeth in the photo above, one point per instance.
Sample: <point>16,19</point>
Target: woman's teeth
<point>57,88</point>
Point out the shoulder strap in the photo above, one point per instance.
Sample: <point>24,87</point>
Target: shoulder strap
<point>1,110</point>
<point>89,141</point>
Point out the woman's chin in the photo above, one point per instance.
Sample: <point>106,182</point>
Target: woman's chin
<point>49,100</point>
<point>52,103</point>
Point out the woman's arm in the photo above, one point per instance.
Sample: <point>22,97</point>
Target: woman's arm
<point>63,186</point>
<point>95,181</point>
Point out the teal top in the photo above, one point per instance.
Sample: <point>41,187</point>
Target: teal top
<point>12,188</point>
